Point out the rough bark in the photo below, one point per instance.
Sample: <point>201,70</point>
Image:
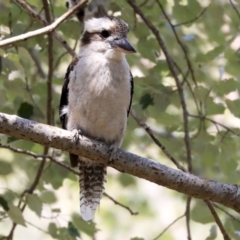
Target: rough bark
<point>226,194</point>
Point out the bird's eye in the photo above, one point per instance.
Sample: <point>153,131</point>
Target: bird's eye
<point>104,34</point>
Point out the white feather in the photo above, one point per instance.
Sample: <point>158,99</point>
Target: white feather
<point>98,24</point>
<point>88,210</point>
<point>64,111</point>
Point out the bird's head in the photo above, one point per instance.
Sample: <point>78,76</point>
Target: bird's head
<point>107,35</point>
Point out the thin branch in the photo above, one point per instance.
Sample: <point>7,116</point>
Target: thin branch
<point>235,9</point>
<point>158,143</point>
<point>214,122</point>
<point>187,214</point>
<point>184,49</point>
<point>226,194</point>
<point>175,76</point>
<point>39,156</point>
<point>36,156</point>
<point>38,17</point>
<point>226,212</point>
<point>38,228</point>
<point>120,204</point>
<point>194,19</point>
<point>143,3</point>
<point>37,62</point>
<point>43,30</point>
<point>50,64</point>
<point>30,190</point>
<point>165,229</point>
<point>217,220</point>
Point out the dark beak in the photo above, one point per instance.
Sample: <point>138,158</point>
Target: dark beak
<point>123,45</point>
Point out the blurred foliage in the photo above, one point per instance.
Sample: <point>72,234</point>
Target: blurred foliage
<point>211,37</point>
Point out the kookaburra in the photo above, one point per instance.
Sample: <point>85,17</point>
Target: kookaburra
<point>96,99</point>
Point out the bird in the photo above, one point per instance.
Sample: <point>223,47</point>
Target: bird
<point>96,99</point>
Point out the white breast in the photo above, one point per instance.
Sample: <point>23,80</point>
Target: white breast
<point>99,97</point>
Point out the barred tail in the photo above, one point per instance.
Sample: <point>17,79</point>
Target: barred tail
<point>92,178</point>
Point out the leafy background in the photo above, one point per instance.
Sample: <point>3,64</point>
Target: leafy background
<point>209,72</point>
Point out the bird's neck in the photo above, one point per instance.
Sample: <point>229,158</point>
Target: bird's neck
<point>110,54</point>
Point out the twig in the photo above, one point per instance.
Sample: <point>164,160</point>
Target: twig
<point>40,229</point>
<point>174,74</point>
<point>37,62</point>
<point>214,122</point>
<point>50,64</point>
<point>158,143</point>
<point>165,229</point>
<point>187,214</point>
<point>194,19</point>
<point>38,17</point>
<point>143,3</point>
<point>64,53</point>
<point>30,191</point>
<point>43,30</point>
<point>184,49</point>
<point>235,9</point>
<point>21,151</point>
<point>37,156</point>
<point>120,204</point>
<point>217,220</point>
<point>227,213</point>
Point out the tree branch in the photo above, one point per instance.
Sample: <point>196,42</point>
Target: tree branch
<point>165,229</point>
<point>226,194</point>
<point>43,30</point>
<point>120,204</point>
<point>217,220</point>
<point>171,66</point>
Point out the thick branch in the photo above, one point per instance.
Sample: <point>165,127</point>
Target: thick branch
<point>226,194</point>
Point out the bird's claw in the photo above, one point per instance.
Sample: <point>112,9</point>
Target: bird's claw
<point>111,152</point>
<point>77,133</point>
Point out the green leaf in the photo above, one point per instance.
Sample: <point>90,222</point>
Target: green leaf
<point>201,93</point>
<point>146,100</point>
<point>184,13</point>
<point>225,86</point>
<point>126,179</point>
<point>73,230</point>
<point>11,139</point>
<point>137,238</point>
<point>16,215</point>
<point>209,56</point>
<point>234,107</point>
<point>56,210</point>
<point>200,213</point>
<point>5,168</point>
<point>4,203</point>
<point>52,229</point>
<point>13,57</point>
<point>212,107</point>
<point>87,227</point>
<point>59,175</point>
<point>25,110</point>
<point>34,203</point>
<point>213,233</point>
<point>65,235</point>
<point>162,101</point>
<point>209,155</point>
<point>48,197</point>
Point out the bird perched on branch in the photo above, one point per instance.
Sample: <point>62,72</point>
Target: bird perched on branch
<point>96,99</point>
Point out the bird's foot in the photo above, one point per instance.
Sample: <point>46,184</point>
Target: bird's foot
<point>112,152</point>
<point>77,133</point>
